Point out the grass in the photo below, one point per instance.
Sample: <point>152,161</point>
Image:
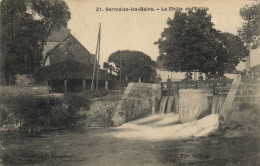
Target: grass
<point>37,109</point>
<point>16,90</point>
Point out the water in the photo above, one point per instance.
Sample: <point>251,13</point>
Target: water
<point>167,127</point>
<point>163,104</point>
<point>97,146</point>
<point>217,103</point>
<point>176,103</point>
<point>169,104</point>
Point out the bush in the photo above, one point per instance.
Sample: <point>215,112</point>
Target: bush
<point>33,113</point>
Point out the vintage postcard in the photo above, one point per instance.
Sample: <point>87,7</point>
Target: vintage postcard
<point>129,82</point>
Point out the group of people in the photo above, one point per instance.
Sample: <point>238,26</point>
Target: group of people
<point>216,79</point>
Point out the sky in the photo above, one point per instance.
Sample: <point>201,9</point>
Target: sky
<point>138,30</point>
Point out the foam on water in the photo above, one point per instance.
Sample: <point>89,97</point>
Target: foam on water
<point>165,129</point>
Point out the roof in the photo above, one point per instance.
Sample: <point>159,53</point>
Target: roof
<point>62,48</point>
<point>59,35</point>
<point>70,70</point>
<point>256,67</point>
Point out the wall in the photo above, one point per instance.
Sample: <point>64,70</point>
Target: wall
<point>24,79</point>
<point>99,114</point>
<point>139,100</point>
<point>194,104</point>
<point>241,91</point>
<point>248,91</point>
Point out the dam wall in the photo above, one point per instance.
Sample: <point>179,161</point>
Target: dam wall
<point>194,104</point>
<point>139,100</point>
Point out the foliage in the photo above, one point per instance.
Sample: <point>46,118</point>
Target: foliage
<point>190,43</point>
<point>245,119</point>
<point>25,26</point>
<point>235,50</point>
<point>133,64</point>
<point>110,67</point>
<point>250,30</point>
<point>38,112</point>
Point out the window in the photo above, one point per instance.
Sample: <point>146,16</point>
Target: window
<point>69,57</point>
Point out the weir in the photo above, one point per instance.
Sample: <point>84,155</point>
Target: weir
<point>142,99</point>
<point>217,103</point>
<point>169,104</point>
<point>163,104</point>
<point>192,104</point>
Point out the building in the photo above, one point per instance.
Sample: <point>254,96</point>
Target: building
<point>68,66</point>
<point>256,71</point>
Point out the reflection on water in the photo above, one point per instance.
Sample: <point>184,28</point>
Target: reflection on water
<point>97,146</point>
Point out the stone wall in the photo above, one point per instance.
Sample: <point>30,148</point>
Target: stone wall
<point>248,91</point>
<point>99,114</point>
<point>139,100</point>
<point>241,91</point>
<point>24,79</point>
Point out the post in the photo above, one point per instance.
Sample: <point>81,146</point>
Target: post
<point>98,54</point>
<point>162,89</point>
<point>65,88</point>
<point>106,85</point>
<point>139,79</point>
<point>248,59</point>
<point>84,85</point>
<point>153,105</point>
<point>93,76</point>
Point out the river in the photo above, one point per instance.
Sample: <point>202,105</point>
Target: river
<point>98,147</point>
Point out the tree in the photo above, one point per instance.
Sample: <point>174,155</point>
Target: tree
<point>250,30</point>
<point>235,50</point>
<point>25,27</point>
<point>133,64</point>
<point>190,43</point>
<point>110,67</point>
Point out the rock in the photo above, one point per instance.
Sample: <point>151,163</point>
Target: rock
<point>233,125</point>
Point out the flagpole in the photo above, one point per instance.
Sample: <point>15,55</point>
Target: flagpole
<point>93,75</point>
<point>98,54</point>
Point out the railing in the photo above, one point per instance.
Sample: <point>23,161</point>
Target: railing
<point>215,85</point>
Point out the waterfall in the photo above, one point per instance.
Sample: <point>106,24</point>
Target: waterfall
<point>176,104</point>
<point>217,102</point>
<point>170,104</point>
<point>163,104</point>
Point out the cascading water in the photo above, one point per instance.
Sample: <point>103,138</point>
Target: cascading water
<point>163,104</point>
<point>217,102</point>
<point>169,104</point>
<point>176,104</point>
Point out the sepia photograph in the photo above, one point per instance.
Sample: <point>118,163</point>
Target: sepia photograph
<point>129,82</point>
